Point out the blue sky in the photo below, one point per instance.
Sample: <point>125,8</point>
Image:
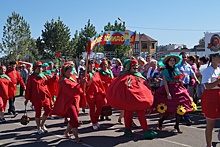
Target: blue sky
<point>168,21</point>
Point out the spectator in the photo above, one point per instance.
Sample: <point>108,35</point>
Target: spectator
<point>117,68</point>
<point>24,75</point>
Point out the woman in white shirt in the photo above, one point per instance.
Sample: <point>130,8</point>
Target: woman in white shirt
<point>211,96</point>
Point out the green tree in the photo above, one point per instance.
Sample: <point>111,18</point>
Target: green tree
<point>119,49</point>
<point>33,52</point>
<point>16,37</point>
<point>87,32</point>
<point>55,38</point>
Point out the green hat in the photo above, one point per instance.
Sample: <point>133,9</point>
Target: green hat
<point>45,65</point>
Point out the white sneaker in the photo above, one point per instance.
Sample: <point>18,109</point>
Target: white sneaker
<point>40,131</point>
<point>95,127</point>
<point>98,125</point>
<point>45,129</point>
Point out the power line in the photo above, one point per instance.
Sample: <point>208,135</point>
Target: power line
<point>166,29</point>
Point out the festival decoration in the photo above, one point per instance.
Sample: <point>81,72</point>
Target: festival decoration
<point>111,37</point>
<point>214,44</point>
<point>161,108</point>
<point>181,110</point>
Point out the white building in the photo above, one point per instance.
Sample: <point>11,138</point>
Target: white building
<point>170,47</point>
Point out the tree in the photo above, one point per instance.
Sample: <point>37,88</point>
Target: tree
<point>55,38</point>
<point>16,37</point>
<point>87,32</point>
<point>119,49</point>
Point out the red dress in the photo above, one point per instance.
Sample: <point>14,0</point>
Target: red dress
<point>129,92</point>
<point>6,91</point>
<point>68,95</point>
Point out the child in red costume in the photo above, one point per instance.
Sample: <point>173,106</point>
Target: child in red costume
<point>16,78</point>
<point>37,92</point>
<point>129,92</point>
<point>67,103</point>
<point>6,91</point>
<point>106,76</point>
<point>95,94</point>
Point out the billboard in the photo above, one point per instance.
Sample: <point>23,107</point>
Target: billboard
<point>212,43</point>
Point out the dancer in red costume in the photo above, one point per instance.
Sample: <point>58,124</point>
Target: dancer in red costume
<point>95,94</point>
<point>211,96</point>
<point>15,78</point>
<point>130,93</point>
<point>107,78</point>
<point>67,103</point>
<point>37,92</point>
<point>6,91</point>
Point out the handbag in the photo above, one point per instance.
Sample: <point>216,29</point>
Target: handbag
<point>25,119</point>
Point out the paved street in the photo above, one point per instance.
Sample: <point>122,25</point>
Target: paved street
<point>13,133</point>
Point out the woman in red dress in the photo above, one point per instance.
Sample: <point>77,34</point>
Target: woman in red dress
<point>37,92</point>
<point>67,102</point>
<point>95,94</point>
<point>211,96</point>
<point>107,78</point>
<point>6,91</point>
<point>130,92</point>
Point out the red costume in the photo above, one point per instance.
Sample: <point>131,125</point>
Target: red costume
<point>37,92</point>
<point>67,102</point>
<point>15,78</point>
<point>95,94</point>
<point>129,92</point>
<point>6,91</point>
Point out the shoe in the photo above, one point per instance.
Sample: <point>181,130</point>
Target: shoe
<point>2,119</point>
<point>101,118</point>
<point>79,141</point>
<point>40,131</point>
<point>178,129</point>
<point>98,125</point>
<point>119,121</point>
<point>83,110</point>
<point>95,127</point>
<point>15,114</point>
<point>45,129</point>
<point>219,134</point>
<point>10,113</point>
<point>148,134</point>
<point>128,133</point>
<point>68,136</point>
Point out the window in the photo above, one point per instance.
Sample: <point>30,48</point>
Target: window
<point>144,45</point>
<point>152,45</point>
<point>136,48</point>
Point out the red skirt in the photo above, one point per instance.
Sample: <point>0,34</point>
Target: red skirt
<point>211,103</point>
<point>133,96</point>
<point>180,103</point>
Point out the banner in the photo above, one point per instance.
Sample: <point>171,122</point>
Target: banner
<point>212,43</point>
<point>111,37</point>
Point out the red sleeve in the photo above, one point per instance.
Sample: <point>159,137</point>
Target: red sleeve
<point>20,80</point>
<point>28,88</point>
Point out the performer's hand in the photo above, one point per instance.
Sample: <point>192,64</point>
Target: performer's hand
<point>169,96</point>
<point>24,87</point>
<point>25,102</point>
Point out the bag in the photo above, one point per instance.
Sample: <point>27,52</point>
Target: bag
<point>25,119</point>
<point>106,111</point>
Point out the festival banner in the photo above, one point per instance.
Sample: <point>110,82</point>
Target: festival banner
<point>212,43</point>
<point>111,37</point>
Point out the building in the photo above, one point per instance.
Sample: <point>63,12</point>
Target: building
<point>170,47</point>
<point>144,43</point>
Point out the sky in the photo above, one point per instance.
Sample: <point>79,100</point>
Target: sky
<point>167,21</point>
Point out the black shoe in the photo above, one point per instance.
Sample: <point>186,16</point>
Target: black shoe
<point>15,114</point>
<point>102,118</point>
<point>2,119</point>
<point>83,110</point>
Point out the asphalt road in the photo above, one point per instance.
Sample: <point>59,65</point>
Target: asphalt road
<point>12,133</point>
